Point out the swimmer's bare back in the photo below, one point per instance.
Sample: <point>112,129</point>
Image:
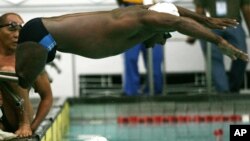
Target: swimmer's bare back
<point>101,34</point>
<point>107,33</point>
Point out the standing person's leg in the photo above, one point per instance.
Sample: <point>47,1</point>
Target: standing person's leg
<point>237,37</point>
<point>157,55</point>
<point>219,75</point>
<point>157,67</point>
<point>131,78</point>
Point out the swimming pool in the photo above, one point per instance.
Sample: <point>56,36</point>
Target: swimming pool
<point>91,116</point>
<point>163,132</point>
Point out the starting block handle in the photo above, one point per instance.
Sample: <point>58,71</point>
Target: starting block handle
<point>8,76</point>
<point>11,77</point>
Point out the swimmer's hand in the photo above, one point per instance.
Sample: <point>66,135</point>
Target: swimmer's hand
<point>219,23</point>
<point>190,40</point>
<point>232,51</point>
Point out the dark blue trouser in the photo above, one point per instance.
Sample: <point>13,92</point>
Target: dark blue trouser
<point>233,81</point>
<point>131,78</point>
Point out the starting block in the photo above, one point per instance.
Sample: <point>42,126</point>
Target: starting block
<point>6,76</point>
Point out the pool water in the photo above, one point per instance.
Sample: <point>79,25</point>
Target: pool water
<point>147,132</point>
<point>101,119</point>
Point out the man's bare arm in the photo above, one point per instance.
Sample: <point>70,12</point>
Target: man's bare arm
<point>167,22</point>
<point>42,86</point>
<point>214,23</point>
<point>24,112</point>
<point>194,29</point>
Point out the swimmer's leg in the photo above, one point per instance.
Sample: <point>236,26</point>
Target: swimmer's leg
<point>30,61</point>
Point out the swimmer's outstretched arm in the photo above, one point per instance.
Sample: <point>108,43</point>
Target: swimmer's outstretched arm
<point>194,29</point>
<point>210,22</point>
<point>167,22</point>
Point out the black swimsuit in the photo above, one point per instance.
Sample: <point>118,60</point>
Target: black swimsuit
<point>34,30</point>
